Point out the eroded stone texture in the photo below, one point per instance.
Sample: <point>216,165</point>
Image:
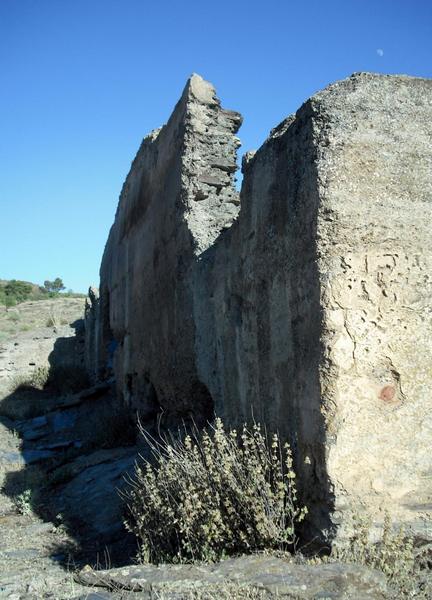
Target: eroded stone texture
<point>375,260</point>
<point>92,322</point>
<point>273,577</point>
<point>177,198</point>
<point>309,309</point>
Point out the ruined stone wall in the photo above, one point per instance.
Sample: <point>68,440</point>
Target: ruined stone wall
<point>309,309</point>
<point>176,199</point>
<point>375,260</point>
<point>257,304</point>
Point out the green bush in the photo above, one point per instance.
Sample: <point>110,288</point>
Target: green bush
<point>13,292</point>
<point>212,494</point>
<point>24,502</point>
<point>18,290</point>
<point>14,317</point>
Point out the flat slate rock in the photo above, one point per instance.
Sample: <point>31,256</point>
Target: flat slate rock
<point>35,456</point>
<point>90,495</point>
<point>23,553</point>
<point>11,457</point>
<point>275,576</point>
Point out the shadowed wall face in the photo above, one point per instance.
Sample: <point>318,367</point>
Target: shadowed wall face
<point>303,309</point>
<point>176,199</point>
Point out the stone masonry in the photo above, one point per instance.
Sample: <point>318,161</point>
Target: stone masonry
<point>304,302</point>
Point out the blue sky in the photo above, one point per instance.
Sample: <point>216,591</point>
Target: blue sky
<point>82,81</point>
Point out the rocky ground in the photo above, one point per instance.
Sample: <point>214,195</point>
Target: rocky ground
<point>31,549</point>
<point>64,452</point>
<point>59,466</point>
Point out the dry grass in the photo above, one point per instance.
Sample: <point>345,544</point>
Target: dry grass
<point>212,494</point>
<point>39,313</point>
<point>35,380</point>
<point>405,566</point>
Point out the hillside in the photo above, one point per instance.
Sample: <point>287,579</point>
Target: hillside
<point>33,314</point>
<point>15,291</point>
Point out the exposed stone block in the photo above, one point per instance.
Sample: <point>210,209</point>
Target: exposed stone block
<point>305,303</point>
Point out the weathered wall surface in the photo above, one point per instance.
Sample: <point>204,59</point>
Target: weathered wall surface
<point>176,199</point>
<point>309,309</point>
<point>375,260</point>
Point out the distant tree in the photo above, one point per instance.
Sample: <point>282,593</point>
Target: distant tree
<point>54,286</point>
